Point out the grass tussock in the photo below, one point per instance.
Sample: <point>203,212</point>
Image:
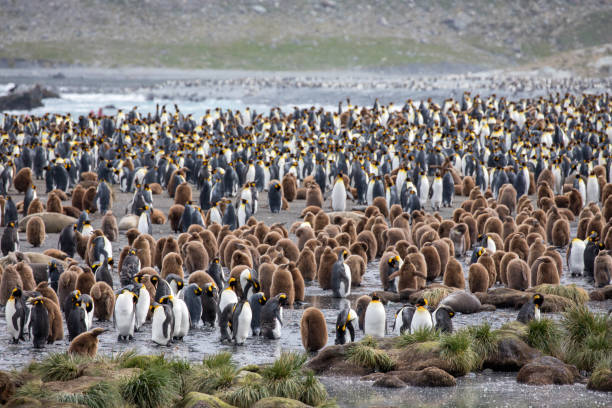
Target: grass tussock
<point>572,292</point>
<point>588,337</point>
<point>601,375</point>
<point>216,373</point>
<point>419,336</point>
<point>34,389</point>
<point>155,387</point>
<point>101,395</point>
<point>58,367</point>
<point>248,393</point>
<point>435,295</point>
<point>369,357</point>
<point>545,335</point>
<point>283,377</point>
<point>456,348</point>
<point>484,340</point>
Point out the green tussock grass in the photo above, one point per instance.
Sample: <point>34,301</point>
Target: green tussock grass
<point>419,336</point>
<point>34,389</point>
<point>588,337</point>
<point>435,295</point>
<point>328,404</point>
<point>283,377</point>
<point>484,340</point>
<point>101,395</point>
<point>369,357</point>
<point>370,341</point>
<point>217,360</point>
<point>313,392</point>
<point>545,335</point>
<point>58,367</point>
<point>514,328</point>
<point>456,348</point>
<point>572,292</point>
<point>247,394</point>
<point>601,374</point>
<point>154,387</point>
<point>216,373</point>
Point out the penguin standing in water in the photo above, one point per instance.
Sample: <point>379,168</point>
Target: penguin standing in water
<point>249,283</point>
<point>143,304</point>
<point>244,212</point>
<point>181,316</point>
<point>102,273</point>
<point>17,315</point>
<point>228,296</point>
<point>422,318</point>
<point>192,296</point>
<point>442,318</point>
<point>210,300</point>
<point>225,321</point>
<point>275,197</point>
<point>144,221</point>
<point>125,314</point>
<point>75,320</point>
<point>345,321</point>
<point>435,193</point>
<point>241,321</point>
<point>341,277</point>
<point>162,324</point>
<point>575,257</point>
<point>394,264</point>
<point>272,316</point>
<point>39,322</point>
<point>10,239</point>
<point>256,300</point>
<point>403,319</point>
<point>67,240</point>
<point>162,287</point>
<point>30,195</point>
<point>375,321</point>
<point>338,194</point>
<point>531,310</point>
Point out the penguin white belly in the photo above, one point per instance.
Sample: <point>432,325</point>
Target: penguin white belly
<point>436,198</point>
<point>421,320</point>
<point>339,197</point>
<point>576,259</point>
<point>424,193</point>
<point>491,245</point>
<point>250,176</point>
<point>228,296</point>
<point>215,216</point>
<point>88,317</point>
<point>276,332</point>
<point>241,216</point>
<point>536,314</point>
<point>375,319</point>
<point>592,190</point>
<point>181,325</point>
<point>87,230</point>
<point>582,191</point>
<point>10,312</point>
<point>244,323</point>
<point>142,307</point>
<point>347,272</point>
<point>370,193</point>
<point>124,315</point>
<point>143,224</point>
<point>157,329</point>
<point>399,320</point>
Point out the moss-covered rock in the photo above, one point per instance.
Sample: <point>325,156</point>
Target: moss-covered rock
<point>389,381</point>
<point>277,402</point>
<point>199,400</point>
<point>601,294</point>
<point>511,353</point>
<point>547,370</point>
<point>418,356</point>
<point>332,361</point>
<point>427,377</point>
<point>601,380</point>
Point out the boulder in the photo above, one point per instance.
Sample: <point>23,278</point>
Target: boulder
<point>511,355</point>
<point>601,294</point>
<point>601,380</point>
<point>54,222</point>
<point>418,356</point>
<point>427,377</point>
<point>389,381</point>
<point>547,370</point>
<point>199,400</point>
<point>25,98</point>
<point>278,402</point>
<point>332,361</point>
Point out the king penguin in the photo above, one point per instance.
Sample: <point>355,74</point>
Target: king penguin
<point>10,239</point>
<point>144,221</point>
<point>531,309</point>
<point>257,300</point>
<point>228,296</point>
<point>442,318</point>
<point>143,304</point>
<point>272,316</point>
<point>338,195</point>
<point>345,321</point>
<point>125,314</point>
<point>192,296</point>
<point>241,321</point>
<point>375,321</point>
<point>39,322</point>
<point>162,324</point>
<point>403,319</point>
<point>75,320</point>
<point>17,315</point>
<point>435,194</point>
<point>341,277</point>
<point>275,197</point>
<point>575,257</point>
<point>422,318</point>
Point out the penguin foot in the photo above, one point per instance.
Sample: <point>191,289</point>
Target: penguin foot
<point>130,337</point>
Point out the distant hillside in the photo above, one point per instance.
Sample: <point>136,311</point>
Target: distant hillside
<point>302,34</point>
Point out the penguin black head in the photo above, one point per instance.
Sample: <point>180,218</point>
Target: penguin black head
<point>538,299</point>
<point>277,186</point>
<point>262,299</point>
<point>282,300</point>
<point>154,279</point>
<point>216,260</point>
<point>132,251</point>
<point>11,224</point>
<point>232,283</point>
<point>345,254</point>
<point>394,261</point>
<point>422,302</point>
<point>197,291</point>
<point>15,293</point>
<point>211,289</point>
<point>180,284</point>
<point>375,297</point>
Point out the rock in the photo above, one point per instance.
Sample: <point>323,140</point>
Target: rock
<point>278,402</point>
<point>601,380</point>
<point>372,377</point>
<point>419,356</point>
<point>511,355</point>
<point>462,302</point>
<point>199,400</point>
<point>244,377</point>
<point>601,294</point>
<point>427,377</point>
<point>7,387</point>
<point>259,9</point>
<point>547,370</point>
<point>128,222</point>
<point>331,361</point>
<point>54,222</point>
<point>389,381</point>
<point>25,98</point>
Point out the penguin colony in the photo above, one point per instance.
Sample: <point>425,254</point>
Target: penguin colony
<point>396,167</point>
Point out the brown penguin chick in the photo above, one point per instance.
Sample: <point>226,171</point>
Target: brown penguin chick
<point>313,329</point>
<point>547,272</point>
<point>124,252</point>
<point>195,257</point>
<point>172,264</point>
<point>331,230</point>
<point>85,281</point>
<point>143,250</point>
<point>10,280</point>
<point>35,231</point>
<point>369,239</point>
<point>159,249</point>
<point>392,236</point>
<point>394,212</point>
<point>272,238</point>
<point>555,256</point>
<point>420,265</point>
<point>303,234</point>
<point>358,269</point>
<point>445,228</point>
<point>172,186</point>
<point>298,282</point>
<point>210,243</point>
<point>467,185</point>
<point>453,275</point>
<point>86,344</point>
<point>508,227</point>
<point>175,213</point>
<point>282,282</point>
<point>44,289</point>
<point>202,278</point>
<point>478,278</point>
<point>360,307</point>
<point>289,249</point>
<point>407,277</point>
<point>266,271</point>
<point>87,204</point>
<point>131,235</point>
<point>551,217</point>
<point>519,246</point>
<point>104,301</point>
<point>241,257</point>
<point>35,207</point>
<point>306,264</point>
<point>582,229</point>
<point>507,197</point>
<point>321,221</point>
<point>458,236</point>
<point>182,239</point>
<point>77,197</point>
<point>561,233</point>
<point>472,229</point>
<point>487,261</point>
<point>596,224</point>
<point>402,221</point>
<point>387,261</point>
<point>432,260</point>
<point>497,257</point>
<point>56,326</point>
<point>61,194</point>
<point>109,226</point>
<point>170,245</point>
<point>23,179</point>
<point>602,268</point>
<point>381,203</point>
<point>493,225</point>
<point>289,185</point>
<point>443,253</point>
<point>183,194</point>
<point>66,284</point>
<point>26,274</point>
<point>401,247</point>
<point>314,196</point>
<point>261,230</point>
<point>326,264</point>
<point>607,208</point>
<point>518,274</point>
